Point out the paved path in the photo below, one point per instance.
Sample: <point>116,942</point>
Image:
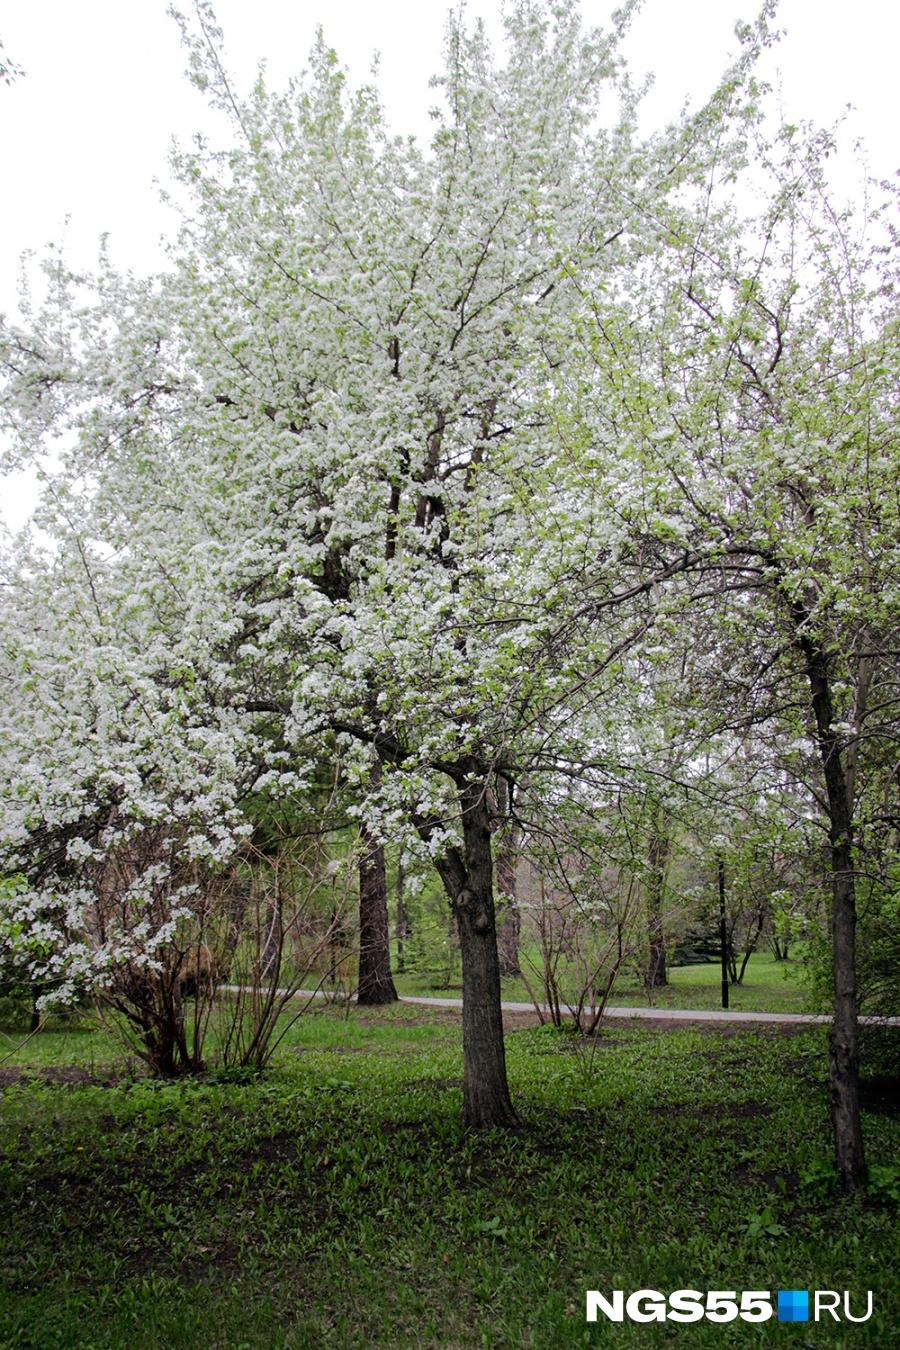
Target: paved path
<point>644,1014</point>
<point>656,1014</point>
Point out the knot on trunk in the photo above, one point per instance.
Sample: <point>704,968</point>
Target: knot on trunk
<point>482,923</point>
<point>464,899</point>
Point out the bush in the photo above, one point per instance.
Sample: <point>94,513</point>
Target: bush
<point>431,946</point>
<point>877,960</point>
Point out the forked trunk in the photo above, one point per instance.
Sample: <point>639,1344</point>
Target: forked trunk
<point>375,984</point>
<point>468,880</point>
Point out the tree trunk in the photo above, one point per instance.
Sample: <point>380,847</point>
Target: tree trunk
<point>657,857</point>
<point>375,984</point>
<point>844,1058</point>
<point>401,918</point>
<point>844,1041</point>
<point>509,918</point>
<point>468,880</point>
<point>751,942</point>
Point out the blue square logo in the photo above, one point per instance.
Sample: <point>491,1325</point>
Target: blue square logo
<point>793,1305</point>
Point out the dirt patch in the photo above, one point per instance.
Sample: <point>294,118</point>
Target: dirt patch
<point>809,1069</point>
<point>332,1050</point>
<point>436,1013</point>
<point>393,1021</point>
<point>65,1076</point>
<point>775,1179</point>
<point>437,1084</point>
<point>771,1030</point>
<point>278,1148</point>
<point>745,1110</point>
<point>418,1131</point>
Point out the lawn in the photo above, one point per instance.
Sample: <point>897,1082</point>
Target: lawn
<point>768,986</point>
<point>338,1202</point>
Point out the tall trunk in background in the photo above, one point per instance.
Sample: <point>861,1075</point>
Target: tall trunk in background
<point>509,918</point>
<point>375,984</point>
<point>401,917</point>
<point>657,862</point>
<point>468,881</point>
<point>844,1042</point>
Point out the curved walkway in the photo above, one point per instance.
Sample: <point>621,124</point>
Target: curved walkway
<point>674,1014</point>
<point>645,1014</point>
<point>659,1014</point>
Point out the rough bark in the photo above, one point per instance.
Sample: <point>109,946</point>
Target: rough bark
<point>468,881</point>
<point>375,984</point>
<point>401,918</point>
<point>509,918</point>
<point>844,1041</point>
<point>657,859</point>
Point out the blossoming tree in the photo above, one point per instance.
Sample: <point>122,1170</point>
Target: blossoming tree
<point>328,430</point>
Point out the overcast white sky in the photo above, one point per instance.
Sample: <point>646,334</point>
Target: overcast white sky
<point>86,131</point>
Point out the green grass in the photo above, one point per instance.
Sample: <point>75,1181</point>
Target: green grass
<point>338,1202</point>
<point>768,986</point>
<point>85,1043</point>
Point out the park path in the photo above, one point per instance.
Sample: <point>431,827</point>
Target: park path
<point>654,1014</point>
<point>643,1014</point>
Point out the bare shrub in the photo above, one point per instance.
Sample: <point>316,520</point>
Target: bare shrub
<point>582,913</point>
<point>294,945</point>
